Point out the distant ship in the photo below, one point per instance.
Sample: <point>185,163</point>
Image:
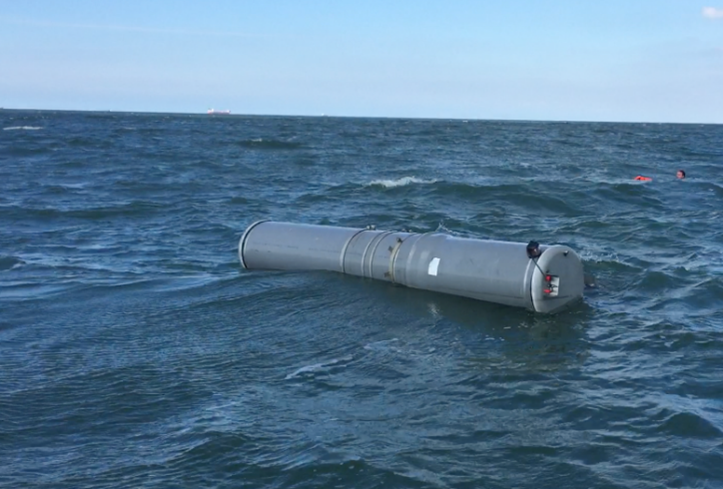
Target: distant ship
<point>218,112</point>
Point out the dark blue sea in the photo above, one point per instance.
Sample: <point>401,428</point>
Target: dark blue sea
<point>136,352</point>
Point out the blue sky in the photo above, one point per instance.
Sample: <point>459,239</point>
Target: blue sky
<point>632,60</point>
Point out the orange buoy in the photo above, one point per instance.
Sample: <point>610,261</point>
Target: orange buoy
<point>640,177</point>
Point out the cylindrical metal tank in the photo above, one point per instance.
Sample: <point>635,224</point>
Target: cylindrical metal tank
<point>545,280</point>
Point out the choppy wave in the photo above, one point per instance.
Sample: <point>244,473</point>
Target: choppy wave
<point>9,262</point>
<point>318,367</point>
<point>270,144</point>
<point>22,128</point>
<point>401,182</point>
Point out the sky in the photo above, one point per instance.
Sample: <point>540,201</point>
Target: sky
<point>574,60</point>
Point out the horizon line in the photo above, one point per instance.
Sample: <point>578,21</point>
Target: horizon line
<point>456,118</point>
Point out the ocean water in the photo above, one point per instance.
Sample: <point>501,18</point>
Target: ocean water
<point>135,352</point>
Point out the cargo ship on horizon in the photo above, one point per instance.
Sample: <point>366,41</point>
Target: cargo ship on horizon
<point>218,112</point>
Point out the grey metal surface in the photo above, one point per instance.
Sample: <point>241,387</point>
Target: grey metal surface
<point>568,279</point>
<point>488,270</point>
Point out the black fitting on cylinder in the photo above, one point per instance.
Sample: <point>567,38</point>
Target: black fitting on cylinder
<point>533,249</point>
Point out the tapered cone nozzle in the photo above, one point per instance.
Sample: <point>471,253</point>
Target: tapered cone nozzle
<point>541,278</point>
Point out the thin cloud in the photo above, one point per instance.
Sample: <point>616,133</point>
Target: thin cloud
<point>713,13</point>
<point>121,28</point>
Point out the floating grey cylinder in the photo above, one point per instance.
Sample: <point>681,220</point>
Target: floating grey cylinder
<point>487,270</point>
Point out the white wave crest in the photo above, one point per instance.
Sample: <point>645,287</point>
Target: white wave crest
<point>318,367</point>
<point>400,182</point>
<point>22,128</point>
<point>383,345</point>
